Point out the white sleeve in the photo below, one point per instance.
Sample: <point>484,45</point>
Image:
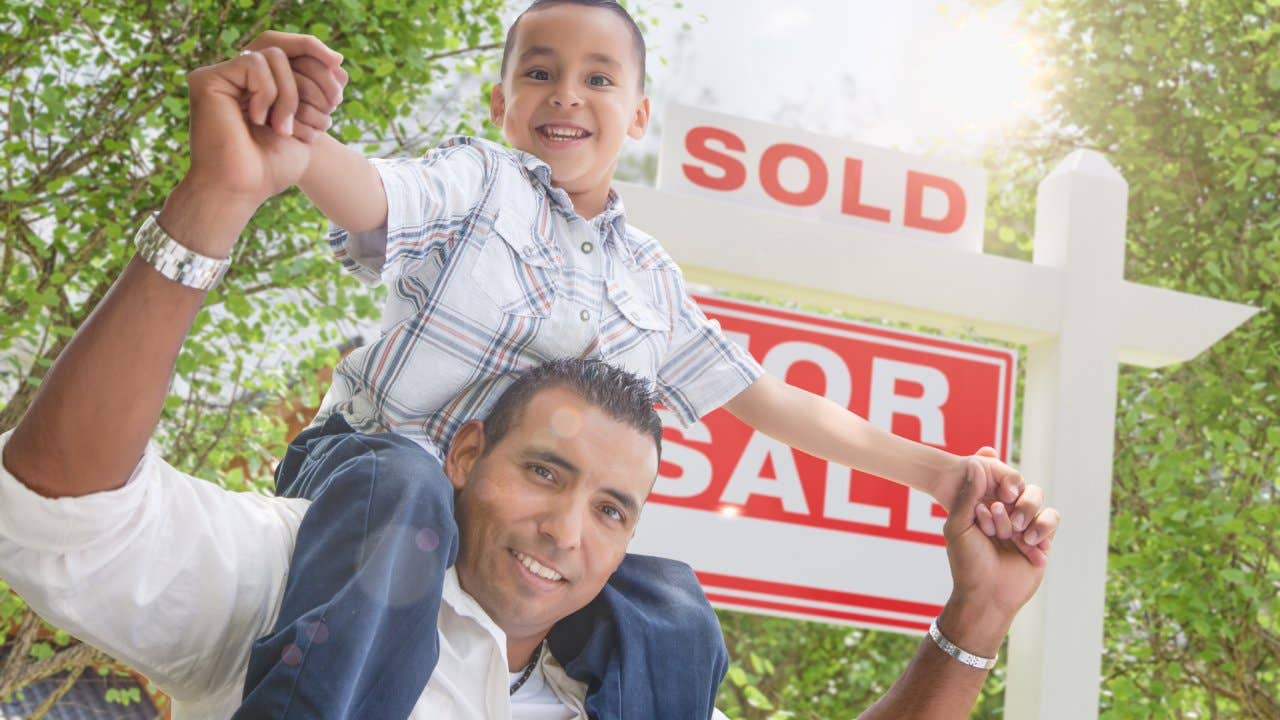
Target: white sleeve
<point>174,576</point>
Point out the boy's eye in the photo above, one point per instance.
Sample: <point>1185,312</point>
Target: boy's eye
<point>542,472</point>
<point>538,75</point>
<point>599,80</point>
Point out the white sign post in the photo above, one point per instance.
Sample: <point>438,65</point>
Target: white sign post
<point>1070,306</point>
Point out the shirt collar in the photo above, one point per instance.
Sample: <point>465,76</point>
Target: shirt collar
<point>613,221</point>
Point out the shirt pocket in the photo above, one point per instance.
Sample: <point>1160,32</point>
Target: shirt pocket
<point>514,270</point>
<point>636,327</point>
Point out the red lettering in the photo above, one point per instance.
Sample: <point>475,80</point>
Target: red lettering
<point>734,172</point>
<point>852,202</point>
<point>772,159</point>
<point>916,184</point>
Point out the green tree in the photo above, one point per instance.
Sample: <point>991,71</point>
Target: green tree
<point>93,131</point>
<point>1184,98</point>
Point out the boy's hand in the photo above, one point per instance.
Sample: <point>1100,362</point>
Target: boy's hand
<point>1009,508</point>
<point>317,84</point>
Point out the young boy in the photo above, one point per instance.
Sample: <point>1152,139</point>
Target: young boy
<point>499,259</point>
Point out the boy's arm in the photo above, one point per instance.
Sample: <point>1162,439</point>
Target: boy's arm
<point>345,186</point>
<point>817,426</point>
<point>341,182</point>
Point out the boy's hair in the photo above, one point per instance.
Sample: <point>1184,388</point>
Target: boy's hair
<point>613,5</point>
<point>623,396</point>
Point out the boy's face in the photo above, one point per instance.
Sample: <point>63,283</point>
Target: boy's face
<point>571,93</point>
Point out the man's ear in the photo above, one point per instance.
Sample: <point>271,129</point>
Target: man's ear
<point>640,121</point>
<point>497,105</point>
<point>464,452</point>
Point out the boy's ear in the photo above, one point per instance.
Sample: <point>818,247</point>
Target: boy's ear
<point>465,450</point>
<point>640,122</point>
<point>497,105</point>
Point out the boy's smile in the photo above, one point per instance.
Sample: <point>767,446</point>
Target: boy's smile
<point>571,95</point>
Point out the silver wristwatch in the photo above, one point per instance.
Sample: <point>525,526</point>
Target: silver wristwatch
<point>954,650</point>
<point>176,262</point>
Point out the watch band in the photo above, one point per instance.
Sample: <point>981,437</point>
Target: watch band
<point>950,648</point>
<point>175,262</point>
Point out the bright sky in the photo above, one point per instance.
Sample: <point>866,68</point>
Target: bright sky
<point>910,74</point>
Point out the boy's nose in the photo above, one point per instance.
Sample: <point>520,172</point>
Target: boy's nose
<point>564,96</point>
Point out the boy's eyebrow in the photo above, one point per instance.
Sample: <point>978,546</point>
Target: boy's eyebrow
<point>542,50</point>
<point>536,51</point>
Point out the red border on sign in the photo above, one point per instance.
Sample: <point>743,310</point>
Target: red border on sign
<point>802,592</point>
<point>814,612</point>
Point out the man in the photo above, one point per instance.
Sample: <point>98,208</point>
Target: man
<point>178,577</point>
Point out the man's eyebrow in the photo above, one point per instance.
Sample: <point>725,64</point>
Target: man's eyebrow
<point>551,457</point>
<point>628,503</point>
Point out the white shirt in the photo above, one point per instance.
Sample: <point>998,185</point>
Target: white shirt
<point>176,577</point>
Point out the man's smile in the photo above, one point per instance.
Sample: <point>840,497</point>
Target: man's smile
<point>547,575</point>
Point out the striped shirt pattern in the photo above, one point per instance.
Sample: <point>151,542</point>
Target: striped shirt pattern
<point>489,272</point>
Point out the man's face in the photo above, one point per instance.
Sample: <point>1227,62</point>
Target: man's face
<point>545,515</point>
<point>571,93</point>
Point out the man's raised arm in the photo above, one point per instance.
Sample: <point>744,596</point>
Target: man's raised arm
<point>90,421</point>
<point>992,578</point>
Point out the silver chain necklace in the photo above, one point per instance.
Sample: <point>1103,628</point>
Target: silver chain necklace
<point>528,670</point>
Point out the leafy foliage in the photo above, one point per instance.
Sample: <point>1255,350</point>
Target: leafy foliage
<point>93,135</point>
<point>1184,98</point>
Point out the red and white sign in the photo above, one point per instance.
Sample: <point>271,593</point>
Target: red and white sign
<point>823,179</point>
<point>772,530</point>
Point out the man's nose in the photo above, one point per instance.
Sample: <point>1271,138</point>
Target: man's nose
<point>563,523</point>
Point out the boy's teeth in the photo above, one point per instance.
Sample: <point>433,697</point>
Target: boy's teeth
<point>537,568</point>
<point>564,133</point>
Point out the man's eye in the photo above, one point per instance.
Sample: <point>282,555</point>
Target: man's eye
<point>538,75</point>
<point>600,80</point>
<point>613,512</point>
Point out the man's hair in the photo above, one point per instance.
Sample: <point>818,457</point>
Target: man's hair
<point>623,396</point>
<point>636,35</point>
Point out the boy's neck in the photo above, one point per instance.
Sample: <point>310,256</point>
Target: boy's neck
<point>591,203</point>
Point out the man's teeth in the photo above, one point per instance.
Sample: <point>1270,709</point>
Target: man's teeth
<point>537,568</point>
<point>564,133</point>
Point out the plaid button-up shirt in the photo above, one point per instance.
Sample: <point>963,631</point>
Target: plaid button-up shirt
<point>490,271</point>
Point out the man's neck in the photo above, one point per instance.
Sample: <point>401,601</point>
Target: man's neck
<point>520,651</point>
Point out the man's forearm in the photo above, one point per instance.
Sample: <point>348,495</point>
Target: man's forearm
<point>90,421</point>
<point>936,686</point>
<point>345,186</point>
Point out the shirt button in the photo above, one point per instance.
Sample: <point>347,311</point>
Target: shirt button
<point>527,250</point>
<point>587,247</point>
<point>584,315</point>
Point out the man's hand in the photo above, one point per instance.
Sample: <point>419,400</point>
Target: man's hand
<point>993,575</point>
<point>249,122</point>
<point>1008,505</point>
